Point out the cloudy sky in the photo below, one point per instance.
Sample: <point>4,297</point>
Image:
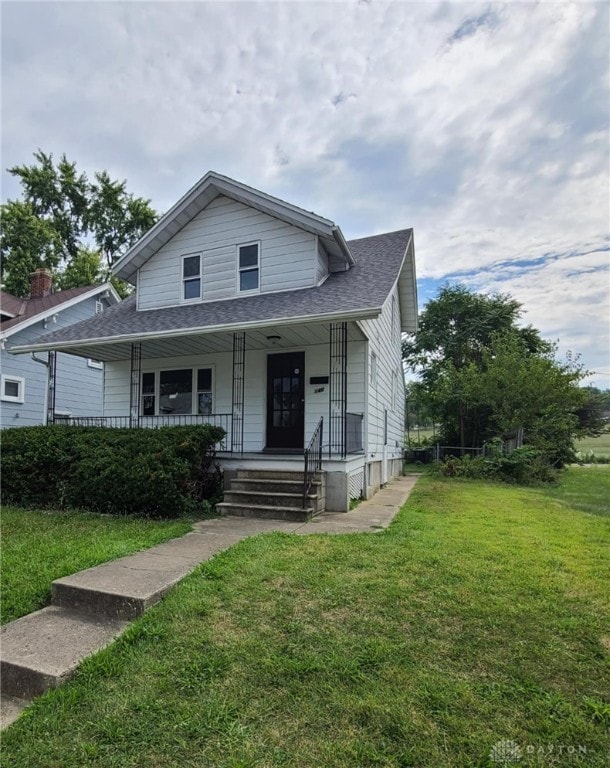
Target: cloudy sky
<point>485,127</point>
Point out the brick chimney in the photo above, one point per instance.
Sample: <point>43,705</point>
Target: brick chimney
<point>41,281</point>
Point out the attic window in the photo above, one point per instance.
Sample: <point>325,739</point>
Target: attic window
<point>191,278</point>
<point>248,267</point>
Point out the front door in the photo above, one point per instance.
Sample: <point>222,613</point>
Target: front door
<point>286,400</point>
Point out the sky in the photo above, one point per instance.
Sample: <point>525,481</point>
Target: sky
<point>485,127</point>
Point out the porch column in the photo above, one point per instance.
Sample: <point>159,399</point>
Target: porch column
<point>51,382</point>
<point>134,390</point>
<point>337,395</point>
<point>239,376</point>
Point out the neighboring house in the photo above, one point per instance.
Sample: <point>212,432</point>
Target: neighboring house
<point>24,379</point>
<point>256,315</point>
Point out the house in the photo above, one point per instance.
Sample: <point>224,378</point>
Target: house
<point>24,379</point>
<point>258,316</point>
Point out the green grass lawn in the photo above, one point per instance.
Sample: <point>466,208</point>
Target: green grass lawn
<point>481,614</point>
<point>39,546</point>
<point>600,446</point>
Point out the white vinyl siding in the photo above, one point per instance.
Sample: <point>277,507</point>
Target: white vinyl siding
<point>287,255</point>
<point>386,391</point>
<point>321,263</point>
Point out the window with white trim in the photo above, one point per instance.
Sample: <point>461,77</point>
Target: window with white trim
<point>373,370</point>
<point>94,363</point>
<point>184,391</point>
<point>248,266</point>
<point>12,389</point>
<point>191,277</point>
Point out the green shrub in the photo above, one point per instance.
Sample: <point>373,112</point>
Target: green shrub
<point>166,472</point>
<point>524,466</point>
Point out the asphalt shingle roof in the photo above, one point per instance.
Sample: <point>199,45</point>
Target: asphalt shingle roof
<point>32,307</point>
<point>364,286</point>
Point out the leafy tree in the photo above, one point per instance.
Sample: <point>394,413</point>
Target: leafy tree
<point>64,216</point>
<point>482,375</point>
<point>26,243</point>
<point>85,268</point>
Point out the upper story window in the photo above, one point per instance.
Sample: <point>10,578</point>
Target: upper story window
<point>191,277</point>
<point>248,267</point>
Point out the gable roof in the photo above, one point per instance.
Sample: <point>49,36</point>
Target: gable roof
<point>358,293</point>
<point>10,305</point>
<point>33,310</point>
<point>201,195</point>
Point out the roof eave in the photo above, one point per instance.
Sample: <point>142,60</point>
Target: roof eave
<point>355,314</point>
<point>55,310</point>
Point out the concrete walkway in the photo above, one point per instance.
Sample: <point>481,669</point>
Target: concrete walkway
<point>92,608</point>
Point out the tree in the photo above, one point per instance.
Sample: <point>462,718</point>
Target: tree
<point>64,216</point>
<point>483,375</point>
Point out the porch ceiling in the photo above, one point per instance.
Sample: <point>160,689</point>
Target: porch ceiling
<point>290,337</point>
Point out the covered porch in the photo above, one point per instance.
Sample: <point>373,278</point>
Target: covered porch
<point>272,390</point>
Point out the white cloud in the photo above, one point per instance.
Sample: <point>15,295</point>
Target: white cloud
<point>485,127</point>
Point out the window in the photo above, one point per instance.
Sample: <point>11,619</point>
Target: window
<point>176,391</point>
<point>148,394</point>
<point>99,307</point>
<point>373,371</point>
<point>191,277</point>
<point>13,389</point>
<point>248,267</point>
<point>170,393</point>
<point>95,363</point>
<point>204,391</point>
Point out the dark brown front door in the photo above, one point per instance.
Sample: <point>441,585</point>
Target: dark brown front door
<point>286,400</point>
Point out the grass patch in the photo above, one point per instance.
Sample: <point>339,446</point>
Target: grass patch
<point>481,614</point>
<point>600,446</point>
<point>40,546</point>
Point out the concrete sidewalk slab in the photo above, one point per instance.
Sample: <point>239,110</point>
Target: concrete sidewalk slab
<point>43,649</point>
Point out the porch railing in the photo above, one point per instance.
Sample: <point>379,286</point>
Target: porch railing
<point>313,459</point>
<point>152,422</point>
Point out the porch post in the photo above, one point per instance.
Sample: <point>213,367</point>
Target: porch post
<point>51,387</point>
<point>134,391</point>
<point>337,396</point>
<point>239,376</point>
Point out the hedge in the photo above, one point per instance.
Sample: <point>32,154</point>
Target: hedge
<point>165,472</point>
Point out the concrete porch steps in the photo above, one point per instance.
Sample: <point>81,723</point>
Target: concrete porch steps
<point>272,495</point>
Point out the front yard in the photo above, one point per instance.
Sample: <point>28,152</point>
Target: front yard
<point>481,615</point>
<point>39,547</point>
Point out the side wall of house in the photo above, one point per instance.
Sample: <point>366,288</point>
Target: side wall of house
<point>385,445</point>
<point>79,387</point>
<point>288,255</point>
